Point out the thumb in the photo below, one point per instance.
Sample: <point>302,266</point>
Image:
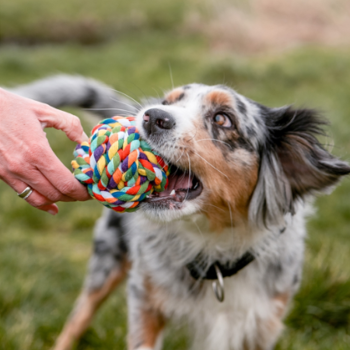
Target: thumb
<point>70,124</point>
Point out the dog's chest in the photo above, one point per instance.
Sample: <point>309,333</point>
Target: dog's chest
<point>161,251</point>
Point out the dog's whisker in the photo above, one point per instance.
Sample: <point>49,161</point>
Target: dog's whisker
<point>128,101</point>
<point>128,105</point>
<point>183,151</point>
<point>215,140</point>
<point>189,176</point>
<point>107,109</point>
<point>127,96</point>
<point>138,88</point>
<point>200,231</point>
<point>231,219</point>
<point>137,109</point>
<point>210,164</point>
<point>155,90</point>
<point>193,137</point>
<point>216,207</point>
<point>171,75</point>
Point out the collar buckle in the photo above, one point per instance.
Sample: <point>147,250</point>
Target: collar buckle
<point>218,285</point>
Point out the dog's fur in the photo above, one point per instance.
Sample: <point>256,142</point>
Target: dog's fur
<point>258,172</point>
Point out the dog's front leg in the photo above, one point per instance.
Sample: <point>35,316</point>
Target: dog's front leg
<point>108,267</point>
<point>146,321</point>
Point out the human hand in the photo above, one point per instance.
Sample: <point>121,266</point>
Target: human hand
<point>26,158</point>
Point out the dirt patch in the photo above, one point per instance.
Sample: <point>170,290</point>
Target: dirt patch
<point>264,25</point>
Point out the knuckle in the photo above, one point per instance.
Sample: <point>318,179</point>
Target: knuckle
<point>67,188</point>
<point>36,149</point>
<point>14,162</point>
<point>15,167</point>
<point>75,122</point>
<point>53,196</point>
<point>45,108</point>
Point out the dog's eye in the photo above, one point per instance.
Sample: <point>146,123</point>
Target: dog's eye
<point>222,120</point>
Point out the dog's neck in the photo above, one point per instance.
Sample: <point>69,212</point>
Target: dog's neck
<point>194,232</point>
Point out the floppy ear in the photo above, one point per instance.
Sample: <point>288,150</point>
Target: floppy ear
<point>292,164</point>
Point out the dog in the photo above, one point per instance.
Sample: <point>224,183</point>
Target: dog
<point>223,246</point>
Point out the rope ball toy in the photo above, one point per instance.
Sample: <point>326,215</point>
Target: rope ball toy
<point>119,169</point>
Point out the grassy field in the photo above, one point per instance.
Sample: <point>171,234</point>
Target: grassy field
<point>43,258</point>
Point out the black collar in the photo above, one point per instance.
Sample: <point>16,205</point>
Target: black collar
<point>199,270</point>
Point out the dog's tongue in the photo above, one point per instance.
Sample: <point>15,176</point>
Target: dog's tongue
<point>177,181</point>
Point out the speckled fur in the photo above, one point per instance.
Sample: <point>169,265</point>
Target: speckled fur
<point>258,179</point>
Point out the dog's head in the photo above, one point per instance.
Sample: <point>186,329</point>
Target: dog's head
<point>234,159</point>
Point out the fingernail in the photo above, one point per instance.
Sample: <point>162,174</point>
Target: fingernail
<point>52,212</point>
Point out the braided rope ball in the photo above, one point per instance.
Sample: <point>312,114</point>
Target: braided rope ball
<point>118,168</point>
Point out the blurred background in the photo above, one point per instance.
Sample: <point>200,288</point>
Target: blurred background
<point>277,52</point>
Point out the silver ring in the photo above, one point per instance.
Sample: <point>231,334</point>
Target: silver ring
<point>25,193</point>
<point>218,285</point>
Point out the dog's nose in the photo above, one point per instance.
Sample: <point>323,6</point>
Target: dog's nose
<point>156,121</point>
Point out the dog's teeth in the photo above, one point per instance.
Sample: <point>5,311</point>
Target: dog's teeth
<point>172,193</point>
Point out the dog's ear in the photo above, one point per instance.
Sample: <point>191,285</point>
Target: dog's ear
<point>293,164</point>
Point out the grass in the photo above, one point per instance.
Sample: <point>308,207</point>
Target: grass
<point>43,258</point>
<point>81,21</point>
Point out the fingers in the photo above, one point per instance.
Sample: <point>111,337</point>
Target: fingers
<point>39,168</point>
<point>61,120</point>
<point>35,199</point>
<point>26,158</point>
<point>38,182</point>
<point>38,201</point>
<point>51,209</point>
<point>47,115</point>
<point>60,177</point>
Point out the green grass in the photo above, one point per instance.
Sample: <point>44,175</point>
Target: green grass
<point>81,21</point>
<point>43,258</point>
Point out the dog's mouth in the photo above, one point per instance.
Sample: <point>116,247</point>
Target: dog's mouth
<point>183,186</point>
